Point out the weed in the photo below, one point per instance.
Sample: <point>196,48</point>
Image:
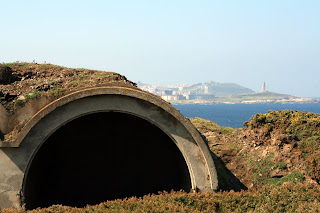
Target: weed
<point>292,178</point>
<point>75,83</point>
<point>19,103</point>
<point>34,94</point>
<point>236,147</point>
<point>57,91</point>
<point>108,74</point>
<point>83,76</point>
<point>211,126</point>
<point>280,165</point>
<point>262,168</point>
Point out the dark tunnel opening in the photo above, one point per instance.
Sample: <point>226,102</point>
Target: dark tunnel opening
<point>104,156</point>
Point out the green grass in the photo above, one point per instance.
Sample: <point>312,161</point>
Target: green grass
<point>34,94</point>
<point>294,178</point>
<point>107,74</point>
<point>280,165</point>
<point>254,96</point>
<point>211,126</point>
<point>19,103</point>
<point>56,91</point>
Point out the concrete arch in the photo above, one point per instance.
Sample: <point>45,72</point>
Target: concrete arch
<point>118,99</point>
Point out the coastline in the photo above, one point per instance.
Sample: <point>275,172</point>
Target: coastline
<point>256,101</point>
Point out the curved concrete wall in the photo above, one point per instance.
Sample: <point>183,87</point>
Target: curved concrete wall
<point>14,162</point>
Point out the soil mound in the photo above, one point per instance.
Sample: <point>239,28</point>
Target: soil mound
<point>20,82</point>
<point>277,147</point>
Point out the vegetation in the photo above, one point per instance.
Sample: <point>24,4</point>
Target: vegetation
<point>211,126</point>
<point>304,126</point>
<point>259,96</point>
<point>34,80</point>
<point>256,155</point>
<point>285,198</point>
<point>220,89</point>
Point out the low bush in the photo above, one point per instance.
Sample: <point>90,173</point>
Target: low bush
<point>284,198</point>
<point>305,126</point>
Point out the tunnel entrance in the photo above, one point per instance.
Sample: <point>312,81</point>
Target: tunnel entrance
<point>104,156</point>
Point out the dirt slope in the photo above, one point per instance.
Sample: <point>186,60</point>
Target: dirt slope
<point>20,82</point>
<point>268,152</point>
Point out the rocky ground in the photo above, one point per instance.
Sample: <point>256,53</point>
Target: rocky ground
<point>20,82</point>
<point>266,153</point>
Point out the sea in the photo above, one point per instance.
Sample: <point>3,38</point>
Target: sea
<point>233,115</point>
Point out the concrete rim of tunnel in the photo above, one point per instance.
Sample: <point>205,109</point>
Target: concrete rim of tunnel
<point>138,95</point>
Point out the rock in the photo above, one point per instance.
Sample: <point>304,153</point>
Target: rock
<point>21,98</point>
<point>6,76</point>
<point>288,148</point>
<point>277,173</point>
<point>43,87</point>
<point>9,97</point>
<point>212,140</point>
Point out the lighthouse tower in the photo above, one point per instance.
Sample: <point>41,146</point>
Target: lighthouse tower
<point>263,87</point>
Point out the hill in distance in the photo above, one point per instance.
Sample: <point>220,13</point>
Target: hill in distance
<point>220,89</point>
<point>211,88</point>
<point>262,97</point>
<point>220,93</point>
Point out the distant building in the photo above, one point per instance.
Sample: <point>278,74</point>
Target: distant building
<point>168,92</point>
<point>206,90</point>
<point>200,97</point>
<point>173,97</point>
<point>178,85</point>
<point>263,87</point>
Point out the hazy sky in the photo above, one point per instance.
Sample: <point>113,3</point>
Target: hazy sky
<point>173,41</point>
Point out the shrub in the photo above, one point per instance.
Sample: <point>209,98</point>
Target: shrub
<point>284,198</point>
<point>305,126</point>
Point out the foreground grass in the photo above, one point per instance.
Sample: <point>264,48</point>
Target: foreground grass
<point>285,198</point>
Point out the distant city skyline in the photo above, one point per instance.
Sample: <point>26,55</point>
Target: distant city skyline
<point>173,42</point>
<point>263,86</point>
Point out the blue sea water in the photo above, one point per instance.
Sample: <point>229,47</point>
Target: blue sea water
<point>233,115</point>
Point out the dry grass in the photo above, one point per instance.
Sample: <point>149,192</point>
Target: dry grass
<point>285,198</point>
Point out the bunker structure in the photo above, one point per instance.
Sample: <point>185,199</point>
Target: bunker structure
<point>99,143</point>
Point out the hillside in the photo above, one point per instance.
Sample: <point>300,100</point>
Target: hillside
<point>216,93</point>
<point>23,82</point>
<point>266,94</point>
<point>277,147</point>
<point>219,89</point>
<point>259,97</point>
<point>262,97</point>
<point>270,166</point>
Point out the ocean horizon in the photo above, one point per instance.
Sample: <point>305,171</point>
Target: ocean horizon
<point>234,115</point>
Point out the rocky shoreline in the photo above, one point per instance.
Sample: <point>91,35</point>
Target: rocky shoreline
<point>282,101</point>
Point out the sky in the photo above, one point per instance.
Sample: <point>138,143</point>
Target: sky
<point>165,42</point>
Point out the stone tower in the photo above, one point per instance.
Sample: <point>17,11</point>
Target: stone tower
<point>263,87</point>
